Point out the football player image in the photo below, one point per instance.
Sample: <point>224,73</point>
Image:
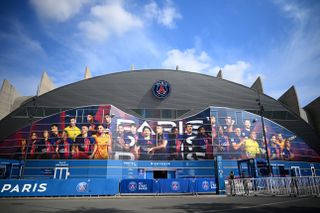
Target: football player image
<point>72,130</point>
<point>63,146</point>
<point>102,147</point>
<point>160,150</point>
<point>246,129</point>
<point>35,146</point>
<point>237,144</point>
<point>119,142</point>
<point>252,148</point>
<point>54,139</point>
<point>131,138</point>
<point>174,144</point>
<point>144,145</point>
<point>203,145</point>
<point>84,144</point>
<point>92,125</point>
<point>187,144</point>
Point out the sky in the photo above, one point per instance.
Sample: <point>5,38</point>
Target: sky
<point>277,40</point>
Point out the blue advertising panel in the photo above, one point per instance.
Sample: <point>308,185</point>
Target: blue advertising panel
<point>205,185</point>
<point>138,186</point>
<point>175,186</point>
<point>72,187</point>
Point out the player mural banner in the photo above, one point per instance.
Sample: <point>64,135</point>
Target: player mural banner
<point>105,132</point>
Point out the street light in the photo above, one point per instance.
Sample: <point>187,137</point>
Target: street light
<point>261,110</point>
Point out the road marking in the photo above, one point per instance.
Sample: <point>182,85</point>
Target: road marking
<point>265,204</point>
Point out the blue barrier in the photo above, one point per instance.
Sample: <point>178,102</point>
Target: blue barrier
<point>87,187</point>
<point>138,186</point>
<point>71,187</point>
<point>174,186</point>
<point>202,185</point>
<point>205,185</point>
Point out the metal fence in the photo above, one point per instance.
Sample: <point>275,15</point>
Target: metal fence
<point>290,186</point>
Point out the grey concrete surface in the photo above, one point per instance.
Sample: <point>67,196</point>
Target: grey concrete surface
<point>162,204</point>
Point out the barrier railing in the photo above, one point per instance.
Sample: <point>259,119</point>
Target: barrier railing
<point>168,186</point>
<point>290,186</point>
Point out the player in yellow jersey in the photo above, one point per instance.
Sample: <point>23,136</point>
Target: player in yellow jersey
<point>251,145</point>
<point>72,130</point>
<point>102,147</point>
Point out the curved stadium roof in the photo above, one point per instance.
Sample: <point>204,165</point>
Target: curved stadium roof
<point>132,90</point>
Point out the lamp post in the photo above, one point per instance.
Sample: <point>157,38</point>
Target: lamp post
<point>261,110</point>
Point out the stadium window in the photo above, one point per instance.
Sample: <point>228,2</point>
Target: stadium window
<point>152,113</point>
<point>290,116</point>
<point>181,112</point>
<point>51,111</point>
<point>167,113</point>
<point>35,112</point>
<point>279,115</point>
<point>21,112</point>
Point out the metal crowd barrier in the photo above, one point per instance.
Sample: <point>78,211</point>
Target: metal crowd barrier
<point>289,186</point>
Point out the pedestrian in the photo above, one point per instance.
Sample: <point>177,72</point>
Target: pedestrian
<point>231,183</point>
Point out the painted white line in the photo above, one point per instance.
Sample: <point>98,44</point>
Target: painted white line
<point>265,204</point>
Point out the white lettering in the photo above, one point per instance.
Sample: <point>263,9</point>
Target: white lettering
<point>167,123</point>
<point>42,187</point>
<point>180,127</point>
<point>15,189</point>
<point>189,139</point>
<point>6,187</point>
<point>34,187</point>
<point>123,122</point>
<point>26,187</point>
<point>132,141</point>
<point>143,125</point>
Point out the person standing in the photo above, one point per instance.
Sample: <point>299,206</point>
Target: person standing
<point>231,184</point>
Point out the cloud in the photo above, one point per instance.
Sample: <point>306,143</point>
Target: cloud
<point>292,10</point>
<point>110,18</point>
<point>296,60</point>
<point>237,72</point>
<point>187,60</point>
<point>59,11</point>
<point>192,60</point>
<point>165,16</point>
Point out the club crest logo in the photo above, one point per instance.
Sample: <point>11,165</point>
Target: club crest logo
<point>82,187</point>
<point>205,185</point>
<point>161,89</point>
<point>132,186</point>
<point>175,186</point>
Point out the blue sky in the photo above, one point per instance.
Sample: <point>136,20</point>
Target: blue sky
<point>277,40</point>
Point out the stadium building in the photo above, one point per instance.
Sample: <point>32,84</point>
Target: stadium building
<point>146,131</point>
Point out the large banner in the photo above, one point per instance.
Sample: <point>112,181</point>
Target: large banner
<point>71,187</point>
<point>105,132</point>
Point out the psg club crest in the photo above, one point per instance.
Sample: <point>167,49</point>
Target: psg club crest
<point>205,185</point>
<point>132,186</point>
<point>175,186</point>
<point>161,89</point>
<point>82,187</point>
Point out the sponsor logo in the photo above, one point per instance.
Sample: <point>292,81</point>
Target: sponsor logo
<point>143,186</point>
<point>82,187</point>
<point>175,186</point>
<point>161,89</point>
<point>205,185</point>
<point>132,186</point>
<point>213,185</point>
<point>11,188</point>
